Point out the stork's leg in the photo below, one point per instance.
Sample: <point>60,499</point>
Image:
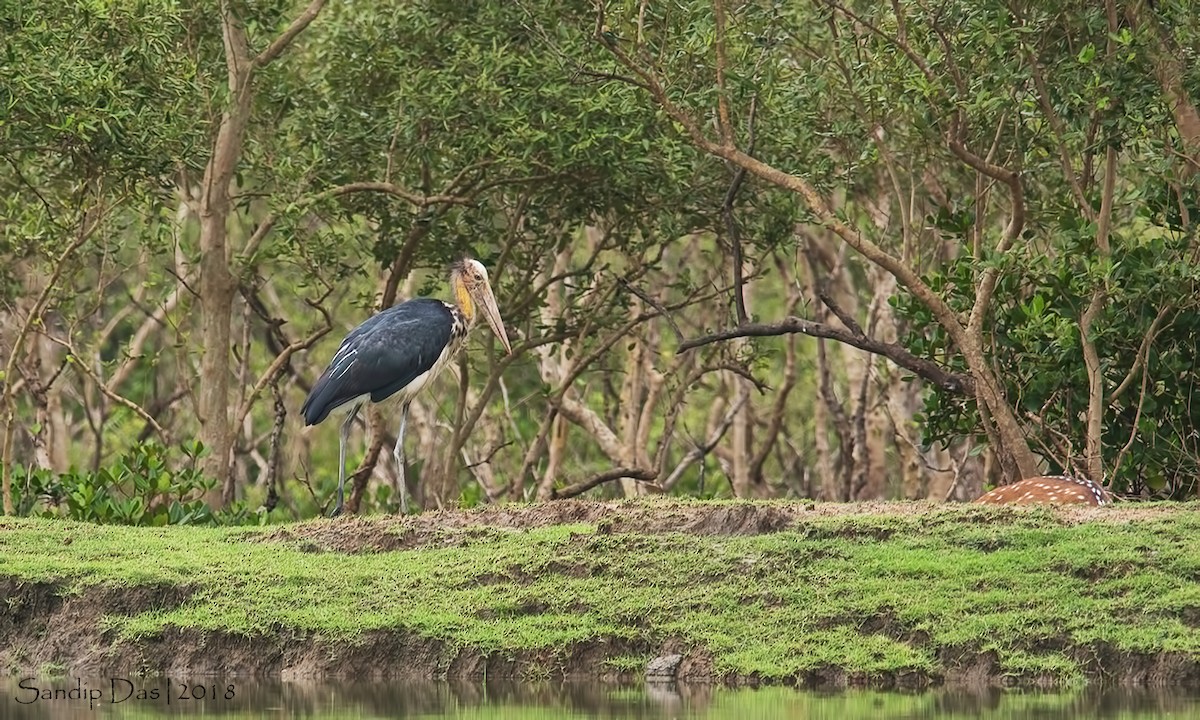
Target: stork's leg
<point>343,436</point>
<point>398,453</point>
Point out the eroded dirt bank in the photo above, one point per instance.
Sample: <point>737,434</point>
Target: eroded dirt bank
<point>75,628</point>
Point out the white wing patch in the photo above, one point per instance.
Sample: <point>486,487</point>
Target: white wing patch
<point>340,351</point>
<point>342,362</point>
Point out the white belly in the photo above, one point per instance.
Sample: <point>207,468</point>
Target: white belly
<point>409,391</point>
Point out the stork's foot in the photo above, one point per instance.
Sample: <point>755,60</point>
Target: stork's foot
<point>337,511</point>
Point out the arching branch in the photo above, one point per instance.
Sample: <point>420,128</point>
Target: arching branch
<point>599,479</point>
<point>957,383</point>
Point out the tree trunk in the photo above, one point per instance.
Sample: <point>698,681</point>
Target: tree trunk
<point>217,289</point>
<point>218,286</point>
<point>903,400</point>
<point>60,431</point>
<point>739,436</point>
<point>52,438</point>
<point>825,416</point>
<point>880,435</point>
<point>556,447</point>
<point>633,397</point>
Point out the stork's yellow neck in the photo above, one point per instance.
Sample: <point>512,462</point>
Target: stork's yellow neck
<point>462,298</point>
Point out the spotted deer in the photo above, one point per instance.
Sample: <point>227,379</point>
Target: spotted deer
<point>1048,490</point>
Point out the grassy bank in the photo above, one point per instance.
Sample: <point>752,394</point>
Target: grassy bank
<point>771,591</point>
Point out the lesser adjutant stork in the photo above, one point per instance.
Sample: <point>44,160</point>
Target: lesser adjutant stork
<point>397,352</point>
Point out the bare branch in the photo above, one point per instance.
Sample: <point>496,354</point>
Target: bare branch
<point>281,360</point>
<point>731,224</point>
<point>698,452</point>
<point>744,373</point>
<point>134,352</point>
<point>488,458</point>
<point>840,312</point>
<point>956,383</point>
<point>588,419</point>
<point>532,453</point>
<point>1143,354</point>
<point>117,398</point>
<point>159,408</point>
<point>724,122</point>
<point>288,35</point>
<point>686,375</point>
<point>1133,432</point>
<point>646,298</point>
<point>570,491</point>
<point>779,407</point>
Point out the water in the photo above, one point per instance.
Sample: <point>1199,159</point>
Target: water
<point>327,700</point>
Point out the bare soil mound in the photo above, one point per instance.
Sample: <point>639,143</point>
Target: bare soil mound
<point>452,527</point>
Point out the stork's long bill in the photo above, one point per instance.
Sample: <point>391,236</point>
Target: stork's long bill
<point>473,292</point>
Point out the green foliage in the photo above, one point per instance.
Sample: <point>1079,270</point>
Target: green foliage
<point>147,486</point>
<point>523,115</point>
<point>1037,348</point>
<point>112,89</point>
<point>1100,92</point>
<point>99,104</point>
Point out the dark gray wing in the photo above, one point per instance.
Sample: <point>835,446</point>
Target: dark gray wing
<point>381,356</point>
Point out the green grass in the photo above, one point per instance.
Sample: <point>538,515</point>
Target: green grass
<point>868,594</point>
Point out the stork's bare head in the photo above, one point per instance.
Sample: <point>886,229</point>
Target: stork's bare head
<point>472,291</point>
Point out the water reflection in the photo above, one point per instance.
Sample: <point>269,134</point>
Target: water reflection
<point>234,699</point>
